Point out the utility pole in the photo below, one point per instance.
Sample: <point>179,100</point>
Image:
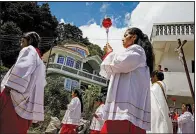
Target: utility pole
<point>51,46</point>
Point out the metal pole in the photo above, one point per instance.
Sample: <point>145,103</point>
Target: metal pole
<point>52,45</point>
<point>49,58</point>
<point>107,31</point>
<point>186,68</point>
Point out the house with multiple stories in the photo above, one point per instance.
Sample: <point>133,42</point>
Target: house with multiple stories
<point>75,64</point>
<point>164,38</point>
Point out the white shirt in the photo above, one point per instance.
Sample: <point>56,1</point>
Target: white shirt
<point>97,123</point>
<point>73,112</point>
<point>186,123</point>
<point>27,79</point>
<point>128,96</point>
<point>160,120</point>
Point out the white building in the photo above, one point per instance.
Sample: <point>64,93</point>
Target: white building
<point>74,63</point>
<point>164,40</point>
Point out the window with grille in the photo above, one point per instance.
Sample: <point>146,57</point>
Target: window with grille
<point>70,62</point>
<point>78,64</point>
<point>68,84</point>
<point>60,60</point>
<point>75,84</point>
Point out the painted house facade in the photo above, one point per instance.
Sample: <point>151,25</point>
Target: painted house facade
<point>73,62</point>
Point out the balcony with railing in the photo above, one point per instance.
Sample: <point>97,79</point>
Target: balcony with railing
<point>173,30</point>
<point>76,73</point>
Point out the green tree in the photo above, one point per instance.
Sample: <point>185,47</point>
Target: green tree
<point>56,97</point>
<point>89,97</point>
<point>72,34</point>
<point>21,17</point>
<point>8,46</point>
<point>55,102</point>
<point>95,50</point>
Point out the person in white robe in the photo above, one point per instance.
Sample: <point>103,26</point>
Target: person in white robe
<point>22,89</point>
<point>72,115</point>
<point>97,121</point>
<point>160,120</point>
<point>127,106</point>
<point>186,121</point>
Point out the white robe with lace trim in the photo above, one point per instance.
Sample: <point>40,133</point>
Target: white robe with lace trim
<point>128,96</point>
<point>160,120</point>
<point>73,112</point>
<point>186,123</point>
<point>27,79</point>
<point>97,123</point>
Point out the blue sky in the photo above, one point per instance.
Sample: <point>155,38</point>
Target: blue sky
<point>83,13</point>
<point>88,16</point>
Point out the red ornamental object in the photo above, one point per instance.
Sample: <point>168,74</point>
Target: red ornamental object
<point>107,23</point>
<point>173,99</point>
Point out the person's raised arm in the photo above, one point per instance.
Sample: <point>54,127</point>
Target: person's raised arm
<point>123,62</point>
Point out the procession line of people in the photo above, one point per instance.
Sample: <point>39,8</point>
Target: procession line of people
<point>131,105</point>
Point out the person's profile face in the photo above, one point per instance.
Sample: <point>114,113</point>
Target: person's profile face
<point>73,94</point>
<point>183,108</point>
<point>23,42</point>
<point>128,40</point>
<point>154,79</point>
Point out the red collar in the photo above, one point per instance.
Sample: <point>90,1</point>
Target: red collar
<point>38,51</point>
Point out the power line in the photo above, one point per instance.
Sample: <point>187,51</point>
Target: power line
<point>17,36</point>
<point>44,38</point>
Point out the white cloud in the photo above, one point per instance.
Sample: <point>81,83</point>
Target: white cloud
<point>89,3</point>
<point>143,17</point>
<point>104,7</point>
<point>147,13</point>
<point>62,21</point>
<point>97,35</point>
<point>116,21</point>
<point>127,18</point>
<point>91,21</point>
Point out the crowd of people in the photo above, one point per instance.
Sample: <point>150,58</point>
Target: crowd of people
<point>160,69</point>
<point>131,105</point>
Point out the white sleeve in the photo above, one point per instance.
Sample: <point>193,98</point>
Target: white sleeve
<point>20,74</point>
<point>122,62</point>
<point>184,118</point>
<point>73,104</point>
<point>100,113</point>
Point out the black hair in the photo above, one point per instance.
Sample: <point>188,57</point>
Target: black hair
<point>100,99</point>
<point>165,68</point>
<point>160,75</point>
<point>32,38</point>
<point>78,94</point>
<point>143,41</point>
<point>189,108</point>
